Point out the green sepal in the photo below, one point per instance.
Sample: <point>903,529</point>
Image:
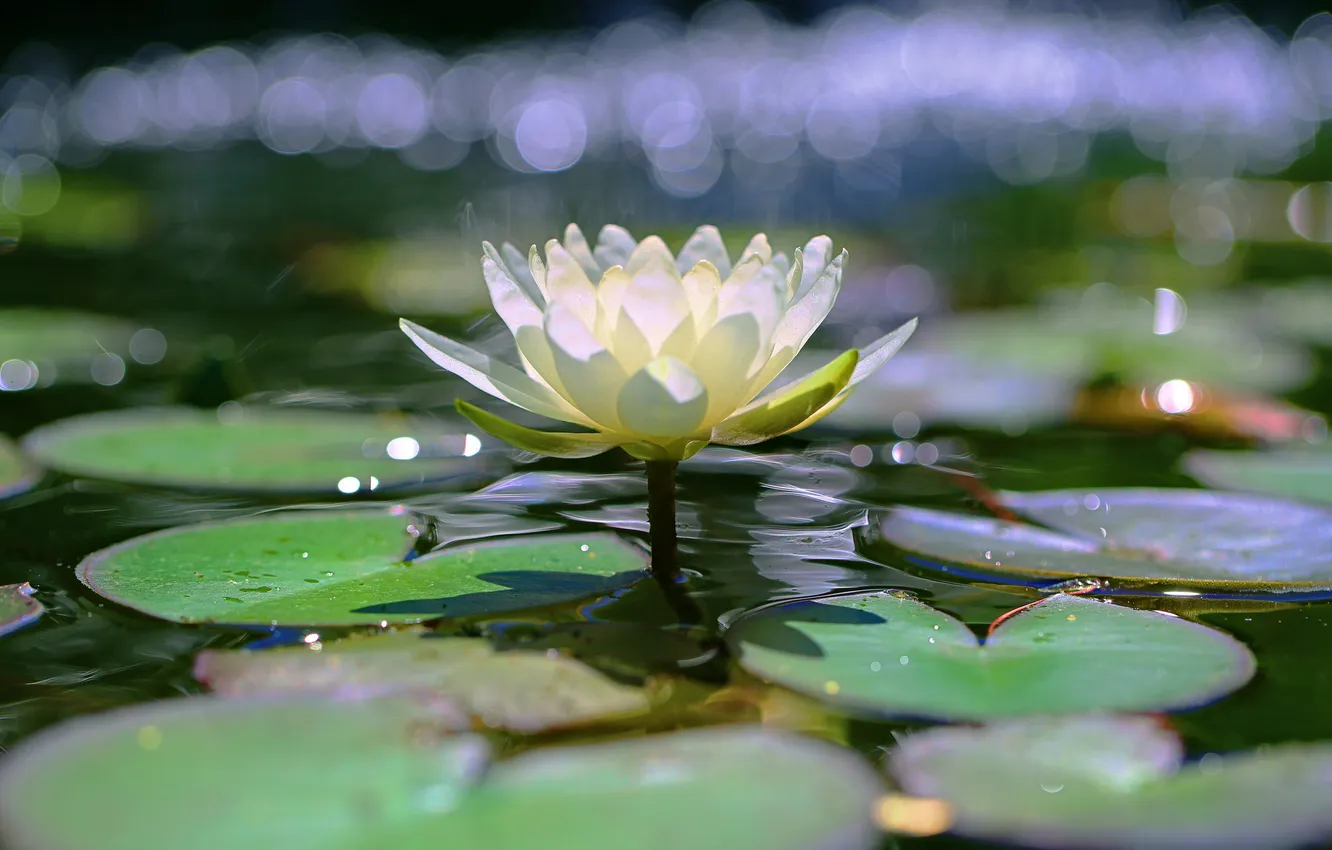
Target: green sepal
<point>681,449</point>
<point>554,444</point>
<point>788,407</point>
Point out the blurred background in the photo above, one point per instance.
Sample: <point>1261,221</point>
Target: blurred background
<point>265,185</point>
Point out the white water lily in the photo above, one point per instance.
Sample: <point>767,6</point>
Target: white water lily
<point>657,353</point>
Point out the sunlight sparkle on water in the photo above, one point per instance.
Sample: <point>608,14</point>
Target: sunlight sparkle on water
<point>1175,396</point>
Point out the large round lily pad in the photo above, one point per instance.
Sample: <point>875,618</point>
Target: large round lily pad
<point>40,347</point>
<point>214,774</point>
<point>18,608</point>
<point>1298,473</point>
<point>887,654</point>
<point>331,568</point>
<point>1105,782</point>
<point>16,474</point>
<point>1149,538</point>
<point>254,449</point>
<point>524,691</point>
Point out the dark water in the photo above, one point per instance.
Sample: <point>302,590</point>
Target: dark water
<point>213,268</point>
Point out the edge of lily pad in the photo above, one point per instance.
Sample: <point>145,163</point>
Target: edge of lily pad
<point>30,476</point>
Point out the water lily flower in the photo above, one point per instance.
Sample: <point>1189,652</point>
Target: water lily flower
<point>656,353</point>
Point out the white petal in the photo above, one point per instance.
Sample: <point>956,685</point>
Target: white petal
<point>567,284</point>
<point>701,285</point>
<point>656,301</point>
<point>610,295</point>
<point>705,244</point>
<point>537,269</point>
<point>538,360</point>
<point>589,373</point>
<point>663,399</point>
<point>521,272</point>
<point>630,345</point>
<point>808,312</point>
<point>758,247</point>
<point>614,245</point>
<point>878,352</point>
<point>651,253</point>
<point>722,361</point>
<point>513,304</point>
<point>793,275</point>
<point>816,255</point>
<point>576,244</point>
<point>491,376</point>
<point>755,289</point>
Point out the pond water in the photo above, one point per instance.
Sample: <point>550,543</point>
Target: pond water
<point>277,282</point>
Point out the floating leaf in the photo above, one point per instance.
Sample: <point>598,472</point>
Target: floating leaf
<point>1154,538</point>
<point>215,774</point>
<point>329,568</point>
<point>16,474</point>
<point>17,607</point>
<point>39,347</point>
<point>1102,331</point>
<point>524,691</point>
<point>1106,782</point>
<point>260,450</point>
<point>886,654</point>
<point>1298,473</point>
<point>931,386</point>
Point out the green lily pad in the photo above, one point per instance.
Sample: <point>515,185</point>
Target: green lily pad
<point>214,774</point>
<point>887,654</point>
<point>523,691</point>
<point>256,449</point>
<point>40,347</point>
<point>1297,473</point>
<point>1109,782</point>
<point>16,474</point>
<point>932,386</point>
<point>17,607</point>
<point>345,568</point>
<point>1149,538</point>
<point>1108,332</point>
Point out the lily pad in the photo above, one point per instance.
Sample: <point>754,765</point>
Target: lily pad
<point>40,347</point>
<point>345,568</point>
<point>1109,332</point>
<point>1298,473</point>
<point>1150,538</point>
<point>17,607</point>
<point>308,774</point>
<point>255,449</point>
<point>519,690</point>
<point>933,386</point>
<point>887,654</point>
<point>16,474</point>
<point>1106,782</point>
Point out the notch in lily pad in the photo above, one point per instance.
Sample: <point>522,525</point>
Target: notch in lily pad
<point>18,607</point>
<point>1141,540</point>
<point>252,449</point>
<point>346,568</point>
<point>1116,782</point>
<point>885,654</point>
<point>214,774</point>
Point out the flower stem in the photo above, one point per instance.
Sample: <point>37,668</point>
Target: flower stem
<point>661,522</point>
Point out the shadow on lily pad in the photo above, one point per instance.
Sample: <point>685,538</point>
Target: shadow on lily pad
<point>522,589</point>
